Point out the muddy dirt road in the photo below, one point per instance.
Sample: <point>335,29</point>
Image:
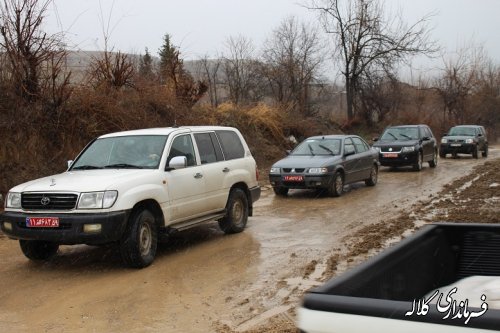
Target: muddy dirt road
<point>203,280</point>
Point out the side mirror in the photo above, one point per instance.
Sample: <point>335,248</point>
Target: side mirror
<point>445,134</point>
<point>177,162</point>
<point>426,138</point>
<point>479,135</point>
<point>375,139</point>
<point>287,152</point>
<point>70,163</point>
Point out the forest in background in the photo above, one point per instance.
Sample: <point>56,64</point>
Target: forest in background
<point>51,108</point>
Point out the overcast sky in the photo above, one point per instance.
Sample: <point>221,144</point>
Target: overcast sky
<point>200,27</point>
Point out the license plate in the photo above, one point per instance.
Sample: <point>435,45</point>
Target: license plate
<point>42,222</point>
<point>456,144</point>
<point>390,155</point>
<point>293,178</point>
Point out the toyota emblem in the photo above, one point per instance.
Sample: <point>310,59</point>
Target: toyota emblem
<point>45,200</point>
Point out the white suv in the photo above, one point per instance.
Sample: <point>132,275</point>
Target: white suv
<point>133,188</point>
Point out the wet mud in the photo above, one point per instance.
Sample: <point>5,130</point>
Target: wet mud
<point>205,281</point>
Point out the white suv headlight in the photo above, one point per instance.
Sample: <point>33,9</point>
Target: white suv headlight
<point>275,170</point>
<point>97,200</point>
<point>408,149</point>
<point>318,170</point>
<point>13,200</point>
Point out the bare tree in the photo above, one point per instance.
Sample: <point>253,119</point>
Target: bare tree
<point>292,57</point>
<point>209,71</point>
<point>362,36</point>
<point>239,69</point>
<point>36,59</point>
<point>458,81</point>
<point>111,69</point>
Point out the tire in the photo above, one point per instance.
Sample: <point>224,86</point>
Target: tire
<point>337,186</point>
<point>372,181</point>
<point>485,151</point>
<point>140,241</point>
<point>236,212</point>
<point>442,154</point>
<point>38,250</point>
<point>475,152</point>
<point>418,165</point>
<point>281,191</point>
<point>433,163</point>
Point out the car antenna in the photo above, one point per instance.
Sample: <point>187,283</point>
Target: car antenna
<point>175,123</point>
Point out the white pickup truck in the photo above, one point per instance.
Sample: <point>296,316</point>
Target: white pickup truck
<point>133,187</point>
<point>444,278</point>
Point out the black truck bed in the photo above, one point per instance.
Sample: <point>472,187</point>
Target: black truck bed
<point>387,285</point>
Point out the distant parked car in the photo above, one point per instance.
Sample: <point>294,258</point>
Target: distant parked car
<point>464,139</point>
<point>326,163</point>
<point>407,145</point>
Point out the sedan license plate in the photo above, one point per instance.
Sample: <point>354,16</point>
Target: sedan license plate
<point>293,178</point>
<point>42,222</point>
<point>390,155</point>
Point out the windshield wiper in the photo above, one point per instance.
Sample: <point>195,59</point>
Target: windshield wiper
<point>406,136</point>
<point>395,137</point>
<point>123,165</point>
<point>327,149</point>
<point>86,167</point>
<point>311,149</point>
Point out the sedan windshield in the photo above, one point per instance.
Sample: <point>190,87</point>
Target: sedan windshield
<point>123,152</point>
<point>400,133</point>
<point>462,131</point>
<point>314,147</point>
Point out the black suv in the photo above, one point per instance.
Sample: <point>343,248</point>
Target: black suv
<point>407,145</point>
<point>464,139</point>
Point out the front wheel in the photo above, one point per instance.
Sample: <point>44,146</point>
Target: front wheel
<point>485,152</point>
<point>280,190</point>
<point>418,164</point>
<point>337,186</point>
<point>236,212</point>
<point>433,163</point>
<point>38,250</point>
<point>138,244</point>
<point>372,181</point>
<point>475,152</point>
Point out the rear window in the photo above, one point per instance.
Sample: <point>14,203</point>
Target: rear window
<point>231,145</point>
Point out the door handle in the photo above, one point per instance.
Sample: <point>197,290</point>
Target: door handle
<point>198,175</point>
<point>226,169</point>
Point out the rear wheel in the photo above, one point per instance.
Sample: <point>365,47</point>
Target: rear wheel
<point>281,191</point>
<point>418,164</point>
<point>236,212</point>
<point>138,244</point>
<point>337,186</point>
<point>38,250</point>
<point>372,181</point>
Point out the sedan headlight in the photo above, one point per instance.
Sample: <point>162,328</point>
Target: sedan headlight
<point>318,170</point>
<point>469,140</point>
<point>13,200</point>
<point>408,149</point>
<point>275,170</point>
<point>97,200</point>
<point>444,140</point>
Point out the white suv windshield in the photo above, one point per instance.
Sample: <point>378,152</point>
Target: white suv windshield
<point>132,152</point>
